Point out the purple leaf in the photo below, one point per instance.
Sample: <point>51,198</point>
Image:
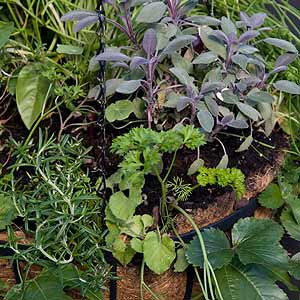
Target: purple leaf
<point>208,87</point>
<point>257,20</point>
<point>85,22</point>
<point>240,124</point>
<point>138,61</point>
<point>232,38</point>
<point>278,69</point>
<point>120,65</point>
<point>112,56</point>
<point>77,15</point>
<point>220,35</point>
<point>227,119</point>
<point>248,35</point>
<point>150,42</point>
<point>183,102</point>
<point>245,18</point>
<point>285,59</point>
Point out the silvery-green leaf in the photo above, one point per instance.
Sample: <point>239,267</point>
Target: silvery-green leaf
<point>94,65</point>
<point>227,96</point>
<point>182,63</point>
<point>228,26</point>
<point>211,43</point>
<point>129,87</point>
<point>257,20</point>
<point>172,100</point>
<point>246,49</point>
<point>183,76</point>
<point>287,87</point>
<point>176,44</point>
<point>227,119</point>
<point>77,15</point>
<point>241,60</point>
<point>152,12</point>
<point>206,120</point>
<point>282,44</point>
<point>208,87</point>
<point>112,85</point>
<point>212,105</point>
<point>205,58</point>
<point>265,110</point>
<point>223,164</point>
<point>260,96</point>
<point>285,59</point>
<point>150,41</point>
<point>183,102</point>
<point>224,110</point>
<point>195,166</point>
<point>112,56</point>
<point>85,22</point>
<point>204,20</point>
<point>249,111</point>
<point>69,49</point>
<point>248,35</point>
<point>278,70</point>
<point>246,144</point>
<point>239,124</point>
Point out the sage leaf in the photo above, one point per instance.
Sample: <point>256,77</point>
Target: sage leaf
<point>69,49</point>
<point>128,87</point>
<point>206,120</point>
<point>31,92</point>
<point>159,252</point>
<point>282,44</point>
<point>228,26</point>
<point>246,144</point>
<point>249,111</point>
<point>205,58</point>
<point>183,76</point>
<point>204,20</point>
<point>152,12</point>
<point>227,96</point>
<point>287,87</point>
<point>271,197</point>
<point>260,96</point>
<point>112,56</point>
<point>195,166</point>
<point>223,164</point>
<point>90,20</point>
<point>150,41</point>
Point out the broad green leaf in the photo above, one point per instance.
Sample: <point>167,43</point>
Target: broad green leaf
<point>205,58</point>
<point>219,252</point>
<point>260,96</point>
<point>137,245</point>
<point>228,26</point>
<point>152,12</point>
<point>31,92</point>
<point>257,241</point>
<point>194,167</point>
<point>121,206</point>
<point>206,120</point>
<point>8,211</point>
<point>182,76</point>
<point>119,111</point>
<point>249,111</point>
<point>289,223</point>
<point>211,43</point>
<point>182,63</point>
<point>294,203</point>
<point>246,144</point>
<point>6,29</point>
<point>128,87</point>
<point>287,87</point>
<point>147,221</point>
<point>181,263</point>
<point>294,267</point>
<point>282,44</point>
<point>69,49</point>
<point>271,197</point>
<point>159,252</point>
<point>124,257</point>
<point>139,108</point>
<point>245,282</point>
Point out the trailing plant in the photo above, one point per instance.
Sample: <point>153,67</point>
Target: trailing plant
<point>61,210</point>
<point>250,263</point>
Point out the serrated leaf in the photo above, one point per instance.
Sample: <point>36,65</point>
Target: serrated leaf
<point>287,87</point>
<point>289,223</point>
<point>181,263</point>
<point>194,167</point>
<point>159,252</point>
<point>119,110</point>
<point>249,111</point>
<point>205,58</point>
<point>217,247</point>
<point>121,207</point>
<point>69,49</point>
<point>31,92</point>
<point>211,43</point>
<point>206,120</point>
<point>223,164</point>
<point>294,267</point>
<point>257,241</point>
<point>128,87</point>
<point>282,44</point>
<point>8,211</point>
<point>271,197</point>
<point>246,144</point>
<point>152,12</point>
<point>246,282</point>
<point>6,29</point>
<point>294,202</point>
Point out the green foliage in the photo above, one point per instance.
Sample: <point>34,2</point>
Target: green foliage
<point>223,177</point>
<point>6,29</point>
<point>271,197</point>
<point>8,210</point>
